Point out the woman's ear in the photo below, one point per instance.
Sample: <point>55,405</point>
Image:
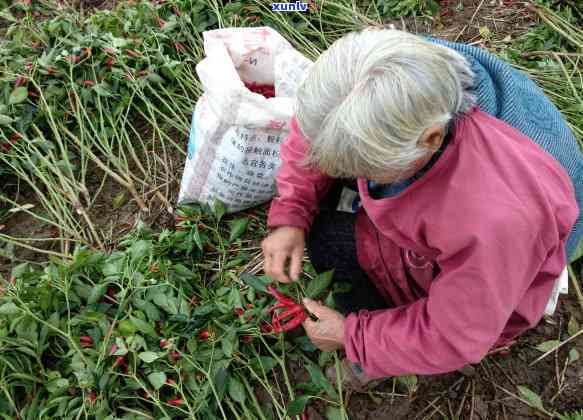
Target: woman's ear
<point>432,138</point>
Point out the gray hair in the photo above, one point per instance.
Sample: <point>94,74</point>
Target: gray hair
<point>368,99</point>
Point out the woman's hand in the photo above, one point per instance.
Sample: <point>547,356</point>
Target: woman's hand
<point>328,332</point>
<point>283,244</point>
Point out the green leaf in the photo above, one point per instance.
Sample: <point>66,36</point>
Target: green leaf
<point>5,119</point>
<point>18,95</point>
<point>143,326</point>
<point>238,228</point>
<point>154,78</point>
<point>126,327</point>
<point>547,345</point>
<point>57,385</point>
<point>141,249</point>
<point>167,302</point>
<point>157,379</point>
<point>409,381</point>
<point>229,343</point>
<point>148,308</point>
<point>263,364</point>
<point>532,398</point>
<point>221,382</point>
<point>573,355</point>
<point>233,8</point>
<point>254,282</point>
<point>203,310</point>
<point>317,286</point>
<point>148,356</point>
<point>5,14</point>
<point>97,293</point>
<point>572,326</point>
<point>219,210</point>
<point>297,406</point>
<point>236,390</point>
<point>320,379</point>
<point>102,90</point>
<point>333,413</point>
<point>579,250</point>
<point>9,308</point>
<point>196,237</point>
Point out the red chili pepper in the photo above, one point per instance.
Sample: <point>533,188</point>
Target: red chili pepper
<point>294,323</point>
<point>290,312</point>
<point>239,311</point>
<point>164,344</point>
<point>20,80</point>
<point>249,306</point>
<point>176,402</point>
<point>204,335</point>
<point>110,62</point>
<point>86,341</point>
<point>280,296</point>
<point>175,356</point>
<point>247,339</point>
<point>277,306</point>
<point>14,137</point>
<point>179,47</point>
<point>109,51</point>
<point>293,309</point>
<point>266,328</point>
<point>111,292</point>
<point>92,397</point>
<point>133,53</point>
<point>119,361</point>
<point>88,83</point>
<point>170,382</point>
<point>113,349</point>
<point>161,22</point>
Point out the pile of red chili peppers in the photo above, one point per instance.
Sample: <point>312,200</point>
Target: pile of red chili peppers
<point>290,310</point>
<point>266,90</point>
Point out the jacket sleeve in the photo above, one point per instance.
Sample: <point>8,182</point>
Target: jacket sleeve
<point>483,279</point>
<point>299,189</point>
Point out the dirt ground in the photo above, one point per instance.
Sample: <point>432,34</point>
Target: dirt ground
<point>485,394</point>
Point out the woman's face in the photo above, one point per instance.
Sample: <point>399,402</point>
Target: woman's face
<point>431,140</point>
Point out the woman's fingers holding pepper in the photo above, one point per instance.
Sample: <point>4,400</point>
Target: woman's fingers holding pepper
<point>328,332</point>
<point>278,267</point>
<point>282,244</point>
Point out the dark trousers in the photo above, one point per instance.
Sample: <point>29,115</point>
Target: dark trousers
<point>332,245</point>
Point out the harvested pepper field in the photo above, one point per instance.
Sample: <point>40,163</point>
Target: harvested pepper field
<point>115,303</point>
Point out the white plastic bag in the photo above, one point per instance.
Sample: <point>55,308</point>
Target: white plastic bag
<point>233,149</point>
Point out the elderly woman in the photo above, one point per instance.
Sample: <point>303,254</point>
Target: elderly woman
<point>441,184</point>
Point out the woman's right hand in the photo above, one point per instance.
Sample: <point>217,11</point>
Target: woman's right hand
<point>283,244</point>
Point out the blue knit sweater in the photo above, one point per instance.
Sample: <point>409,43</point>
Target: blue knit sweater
<point>509,95</point>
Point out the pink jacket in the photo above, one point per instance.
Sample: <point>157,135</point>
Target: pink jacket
<point>492,214</point>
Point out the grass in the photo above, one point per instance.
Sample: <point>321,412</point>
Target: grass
<point>104,326</point>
